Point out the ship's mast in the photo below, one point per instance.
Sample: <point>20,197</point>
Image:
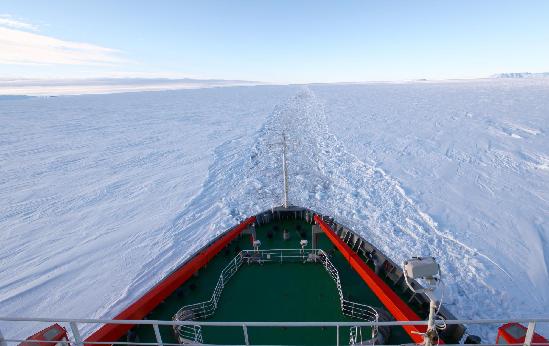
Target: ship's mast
<point>285,170</point>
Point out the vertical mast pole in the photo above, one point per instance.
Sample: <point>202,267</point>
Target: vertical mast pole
<point>285,170</point>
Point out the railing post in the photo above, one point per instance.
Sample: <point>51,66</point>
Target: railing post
<point>76,334</point>
<point>157,334</point>
<point>245,330</point>
<point>2,342</point>
<point>197,333</point>
<point>337,335</point>
<point>529,333</point>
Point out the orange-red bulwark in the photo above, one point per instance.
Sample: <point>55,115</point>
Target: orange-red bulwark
<point>396,306</point>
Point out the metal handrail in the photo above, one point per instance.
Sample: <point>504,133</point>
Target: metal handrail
<point>204,310</point>
<point>269,324</point>
<point>350,308</point>
<point>155,323</point>
<point>194,326</point>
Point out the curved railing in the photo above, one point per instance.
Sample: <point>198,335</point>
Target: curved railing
<point>349,308</point>
<point>203,310</point>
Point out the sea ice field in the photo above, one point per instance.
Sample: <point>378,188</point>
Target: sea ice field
<point>101,196</point>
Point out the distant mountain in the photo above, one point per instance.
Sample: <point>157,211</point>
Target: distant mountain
<point>521,75</point>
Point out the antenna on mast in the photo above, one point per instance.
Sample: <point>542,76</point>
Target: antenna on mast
<point>285,169</point>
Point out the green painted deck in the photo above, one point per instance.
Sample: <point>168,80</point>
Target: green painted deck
<point>286,292</point>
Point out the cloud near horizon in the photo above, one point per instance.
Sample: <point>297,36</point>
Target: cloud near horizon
<point>20,46</point>
<point>9,21</point>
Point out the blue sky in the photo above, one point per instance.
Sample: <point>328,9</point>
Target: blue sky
<point>278,41</point>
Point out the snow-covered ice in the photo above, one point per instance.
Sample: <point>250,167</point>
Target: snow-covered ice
<point>102,195</point>
<point>90,186</point>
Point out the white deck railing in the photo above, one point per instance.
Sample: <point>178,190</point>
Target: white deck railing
<point>76,340</point>
<point>204,310</point>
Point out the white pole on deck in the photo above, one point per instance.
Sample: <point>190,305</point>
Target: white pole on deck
<point>285,170</point>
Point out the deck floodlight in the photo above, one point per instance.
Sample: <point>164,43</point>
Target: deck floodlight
<point>421,268</point>
<point>303,244</point>
<point>427,271</point>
